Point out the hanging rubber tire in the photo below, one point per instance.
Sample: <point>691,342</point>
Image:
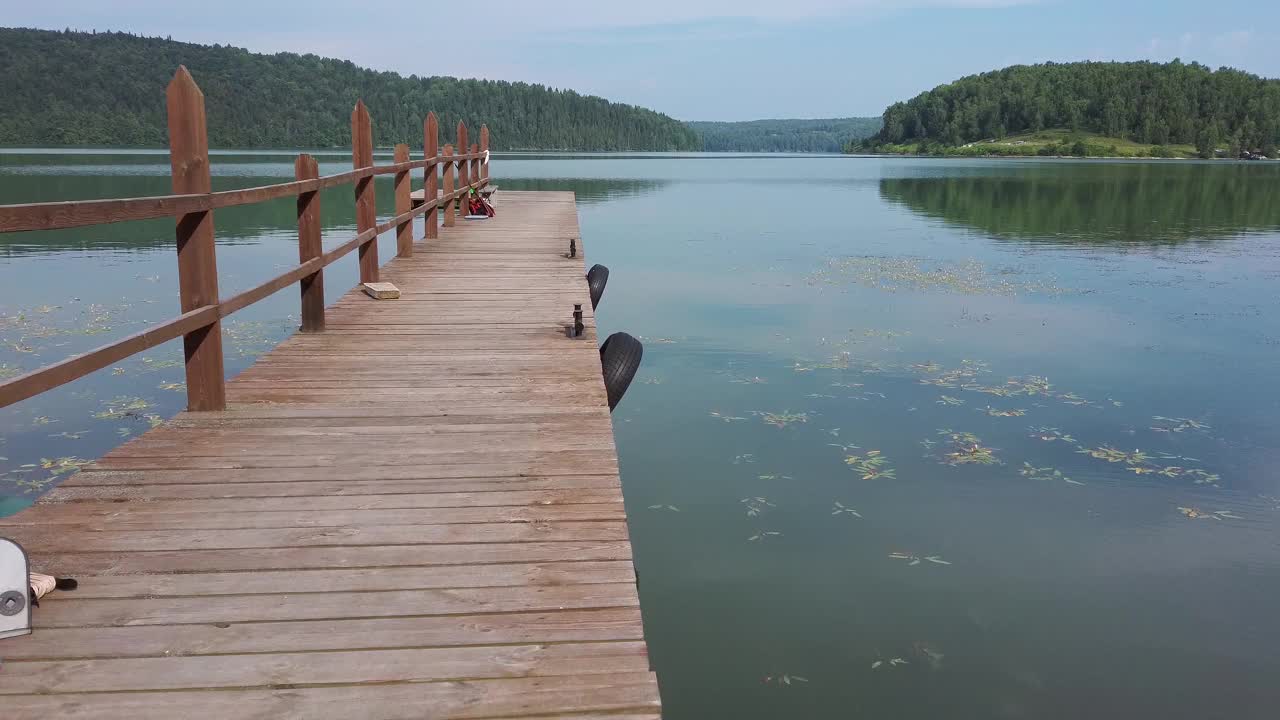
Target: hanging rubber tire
<point>619,358</point>
<point>597,278</point>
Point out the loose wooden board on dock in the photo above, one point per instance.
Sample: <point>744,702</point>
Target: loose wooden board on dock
<point>414,514</point>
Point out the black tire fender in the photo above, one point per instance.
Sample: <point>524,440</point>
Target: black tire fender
<point>619,360</point>
<point>597,278</point>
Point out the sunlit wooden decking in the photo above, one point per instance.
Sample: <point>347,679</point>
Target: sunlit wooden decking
<point>413,514</point>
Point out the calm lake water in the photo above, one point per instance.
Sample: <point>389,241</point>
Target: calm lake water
<point>912,438</point>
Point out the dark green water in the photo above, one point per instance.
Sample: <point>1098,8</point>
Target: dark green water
<point>912,439</point>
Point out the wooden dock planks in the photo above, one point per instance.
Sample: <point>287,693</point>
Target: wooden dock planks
<point>414,514</point>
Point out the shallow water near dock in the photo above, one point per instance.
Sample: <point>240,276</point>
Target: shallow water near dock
<point>911,439</point>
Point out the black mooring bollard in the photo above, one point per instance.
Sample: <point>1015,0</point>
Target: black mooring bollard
<point>573,247</point>
<point>577,320</point>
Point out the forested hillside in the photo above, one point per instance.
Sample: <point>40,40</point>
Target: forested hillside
<point>1152,103</point>
<point>784,135</point>
<point>73,88</point>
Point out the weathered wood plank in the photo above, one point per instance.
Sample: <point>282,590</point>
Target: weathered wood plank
<point>326,606</point>
<point>218,531</point>
<point>364,666</point>
<point>472,700</point>
<point>591,625</point>
<point>355,580</point>
<point>266,559</point>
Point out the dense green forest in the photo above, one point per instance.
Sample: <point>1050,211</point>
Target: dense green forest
<point>74,88</point>
<point>784,135</point>
<point>1156,104</point>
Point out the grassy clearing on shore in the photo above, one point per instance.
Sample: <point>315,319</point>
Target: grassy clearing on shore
<point>1047,143</point>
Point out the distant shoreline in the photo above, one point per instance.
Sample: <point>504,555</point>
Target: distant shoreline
<point>1005,156</point>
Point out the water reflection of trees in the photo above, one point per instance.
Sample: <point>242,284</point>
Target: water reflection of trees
<point>233,225</point>
<point>238,224</point>
<point>588,190</point>
<point>1100,203</point>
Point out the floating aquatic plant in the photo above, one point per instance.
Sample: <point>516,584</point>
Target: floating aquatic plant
<point>1113,455</point>
<point>726,418</point>
<point>781,680</point>
<point>996,412</point>
<point>951,378</point>
<point>151,364</point>
<point>968,277</point>
<point>913,559</point>
<point>63,465</point>
<point>671,508</point>
<point>764,535</point>
<point>1177,425</point>
<point>931,654</point>
<point>840,509</point>
<point>965,448</point>
<point>839,361</point>
<point>948,400</point>
<point>1198,514</point>
<point>781,419</point>
<point>756,505</point>
<point>871,466</point>
<point>1050,434</point>
<point>122,406</point>
<point>70,435</point>
<point>1045,473</point>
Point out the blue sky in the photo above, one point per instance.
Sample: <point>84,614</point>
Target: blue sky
<point>706,59</point>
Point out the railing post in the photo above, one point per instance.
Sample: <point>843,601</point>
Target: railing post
<point>197,258</point>
<point>484,149</point>
<point>464,177</point>
<point>366,210</point>
<point>431,174</point>
<point>447,166</point>
<point>309,245</point>
<point>475,163</point>
<point>404,230</point>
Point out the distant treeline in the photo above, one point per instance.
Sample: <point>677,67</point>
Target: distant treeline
<point>75,89</point>
<point>831,135</point>
<point>1152,103</point>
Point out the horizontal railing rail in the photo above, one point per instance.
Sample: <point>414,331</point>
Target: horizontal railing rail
<point>193,203</point>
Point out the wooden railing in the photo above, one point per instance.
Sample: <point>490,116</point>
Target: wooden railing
<point>193,203</point>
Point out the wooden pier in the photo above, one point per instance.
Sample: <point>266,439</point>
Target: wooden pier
<point>410,510</point>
